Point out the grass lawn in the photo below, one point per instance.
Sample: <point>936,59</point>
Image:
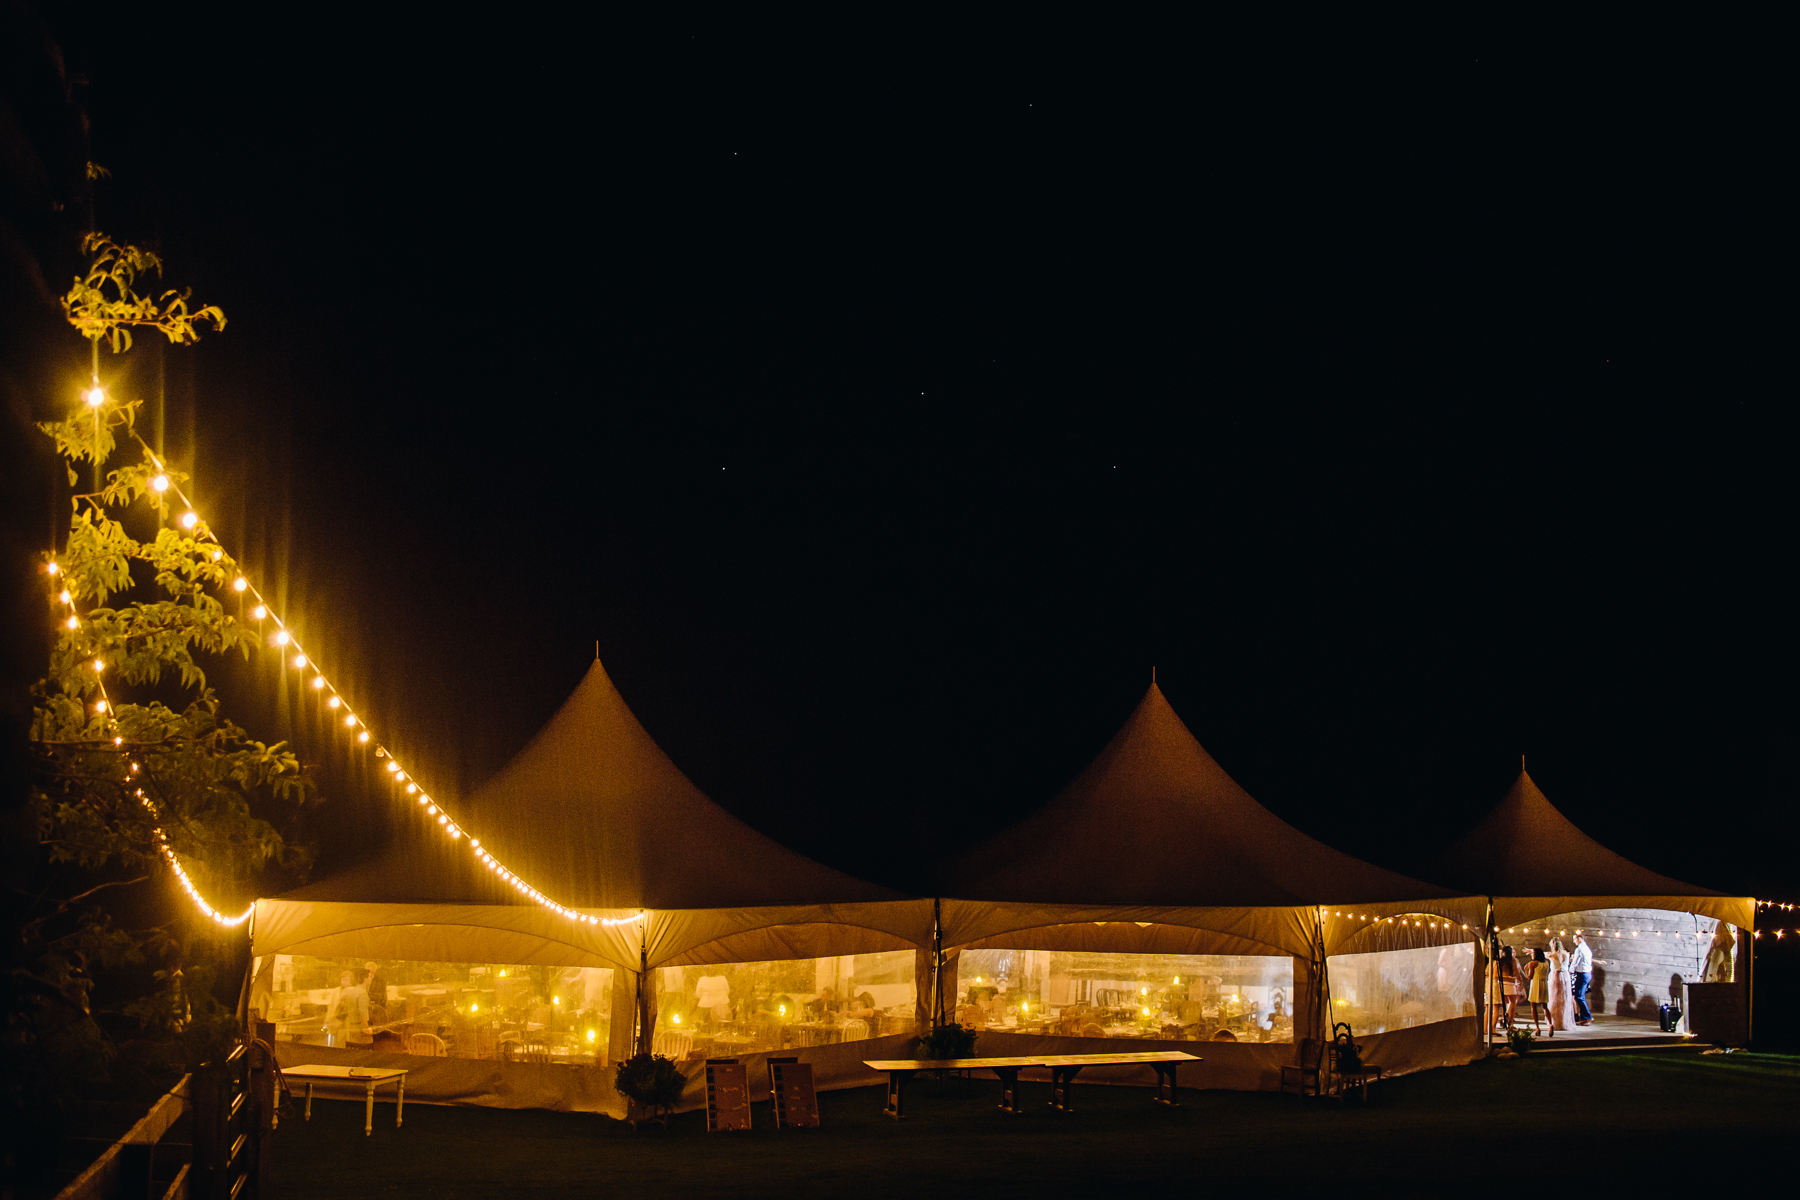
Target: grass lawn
<point>1635,1121</point>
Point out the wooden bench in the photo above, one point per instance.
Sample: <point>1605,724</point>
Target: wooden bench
<point>1062,1067</point>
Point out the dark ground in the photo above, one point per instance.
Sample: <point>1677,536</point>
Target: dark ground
<point>1613,1121</point>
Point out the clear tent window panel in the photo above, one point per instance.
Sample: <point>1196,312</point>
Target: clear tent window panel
<point>499,1011</point>
<point>1399,989</point>
<point>724,1009</point>
<point>1076,993</point>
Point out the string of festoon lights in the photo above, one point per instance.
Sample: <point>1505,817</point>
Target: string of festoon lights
<point>1775,906</point>
<point>263,615</point>
<point>1415,921</point>
<point>1412,920</point>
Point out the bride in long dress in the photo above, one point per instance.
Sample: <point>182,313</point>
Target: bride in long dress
<point>1562,1001</point>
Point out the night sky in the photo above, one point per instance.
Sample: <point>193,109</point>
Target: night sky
<point>888,400</point>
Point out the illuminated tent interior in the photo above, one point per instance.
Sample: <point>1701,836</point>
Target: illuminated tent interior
<point>707,937</point>
<point>1652,936</point>
<point>1154,899</point>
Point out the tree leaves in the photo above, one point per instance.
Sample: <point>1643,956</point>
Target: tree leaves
<point>104,305</point>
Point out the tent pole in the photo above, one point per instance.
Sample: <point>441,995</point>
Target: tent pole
<point>644,1039</point>
<point>937,963</point>
<point>1489,980</point>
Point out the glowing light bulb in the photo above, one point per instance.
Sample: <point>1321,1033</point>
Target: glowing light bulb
<point>189,519</point>
<point>240,584</point>
<point>217,555</point>
<point>99,706</point>
<point>65,596</point>
<point>318,682</point>
<point>299,661</point>
<point>474,1008</point>
<point>73,623</point>
<point>334,702</point>
<point>99,666</point>
<point>159,483</point>
<point>676,1018</point>
<point>363,736</point>
<point>411,788</point>
<point>1143,991</point>
<point>425,800</point>
<point>349,720</point>
<point>1146,1012</point>
<point>95,396</point>
<point>1176,980</point>
<point>781,1009</point>
<point>259,612</point>
<point>281,637</point>
<point>392,766</point>
<point>118,741</point>
<point>591,1035</point>
<point>51,568</point>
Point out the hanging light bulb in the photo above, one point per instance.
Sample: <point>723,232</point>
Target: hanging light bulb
<point>240,584</point>
<point>189,519</point>
<point>363,736</point>
<point>349,720</point>
<point>318,682</point>
<point>281,637</point>
<point>51,568</point>
<point>334,702</point>
<point>99,665</point>
<point>65,596</point>
<point>217,555</point>
<point>99,706</point>
<point>159,483</point>
<point>299,661</point>
<point>95,396</point>
<point>259,612</point>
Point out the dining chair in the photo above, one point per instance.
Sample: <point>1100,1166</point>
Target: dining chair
<point>672,1043</point>
<point>426,1045</point>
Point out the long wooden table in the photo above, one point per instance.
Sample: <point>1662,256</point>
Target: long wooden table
<point>1063,1069</point>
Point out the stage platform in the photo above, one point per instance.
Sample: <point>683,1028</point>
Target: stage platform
<point>1609,1033</point>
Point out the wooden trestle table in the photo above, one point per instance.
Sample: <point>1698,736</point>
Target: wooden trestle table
<point>1063,1069</point>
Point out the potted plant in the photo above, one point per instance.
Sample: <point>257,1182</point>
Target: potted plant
<point>947,1041</point>
<point>1521,1040</point>
<point>652,1085</point>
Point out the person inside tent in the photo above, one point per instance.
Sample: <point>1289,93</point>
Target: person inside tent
<point>713,998</point>
<point>826,1007</point>
<point>862,1008</point>
<point>349,1020</point>
<point>374,985</point>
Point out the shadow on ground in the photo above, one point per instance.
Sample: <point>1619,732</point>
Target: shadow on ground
<point>1619,1120</point>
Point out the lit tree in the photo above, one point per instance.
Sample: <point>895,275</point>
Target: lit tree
<point>126,786</point>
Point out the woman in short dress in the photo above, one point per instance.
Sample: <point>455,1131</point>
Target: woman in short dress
<point>1562,1000</point>
<point>1537,987</point>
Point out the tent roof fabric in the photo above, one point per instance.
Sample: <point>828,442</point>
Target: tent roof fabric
<point>593,814</point>
<point>1155,821</point>
<point>1528,852</point>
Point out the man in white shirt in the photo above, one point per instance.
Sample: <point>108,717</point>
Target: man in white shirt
<point>1581,974</point>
